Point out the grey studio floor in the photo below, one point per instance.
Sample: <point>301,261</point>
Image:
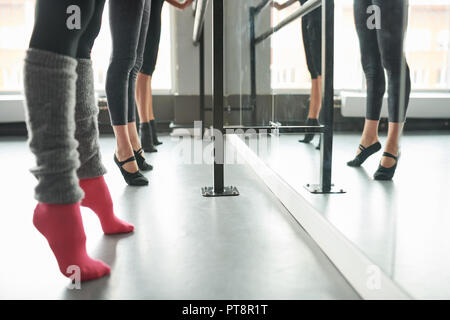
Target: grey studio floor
<point>184,246</point>
<point>401,225</point>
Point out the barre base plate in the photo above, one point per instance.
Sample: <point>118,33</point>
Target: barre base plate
<point>318,189</point>
<point>227,192</point>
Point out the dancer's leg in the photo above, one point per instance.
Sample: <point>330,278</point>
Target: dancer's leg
<point>132,129</point>
<point>390,40</point>
<point>143,97</point>
<point>86,110</point>
<point>373,70</point>
<point>125,22</point>
<point>91,171</point>
<point>312,35</point>
<point>49,85</point>
<point>144,87</point>
<point>144,102</point>
<point>316,98</point>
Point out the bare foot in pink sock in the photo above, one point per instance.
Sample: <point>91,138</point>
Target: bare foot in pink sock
<point>62,226</point>
<point>98,199</point>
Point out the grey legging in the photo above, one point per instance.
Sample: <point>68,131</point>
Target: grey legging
<point>382,49</point>
<point>129,20</point>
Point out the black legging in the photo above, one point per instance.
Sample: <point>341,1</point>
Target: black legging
<point>312,41</point>
<point>153,38</point>
<point>51,33</point>
<point>382,49</point>
<point>129,24</point>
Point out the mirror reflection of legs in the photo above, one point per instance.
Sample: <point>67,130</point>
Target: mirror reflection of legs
<point>382,50</point>
<point>391,84</point>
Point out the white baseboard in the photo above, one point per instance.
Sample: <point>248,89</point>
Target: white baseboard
<point>12,108</point>
<point>421,105</point>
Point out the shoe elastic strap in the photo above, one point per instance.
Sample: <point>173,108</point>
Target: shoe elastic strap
<point>131,159</point>
<point>362,148</point>
<point>139,151</point>
<point>389,155</point>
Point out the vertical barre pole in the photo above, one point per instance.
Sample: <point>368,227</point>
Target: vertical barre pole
<point>252,12</point>
<point>218,61</point>
<point>328,93</point>
<point>218,190</point>
<point>202,79</point>
<point>326,145</point>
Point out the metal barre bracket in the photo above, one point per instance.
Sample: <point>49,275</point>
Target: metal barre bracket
<point>319,189</point>
<point>230,191</point>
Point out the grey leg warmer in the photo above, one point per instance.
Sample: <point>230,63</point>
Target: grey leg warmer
<point>86,113</point>
<point>50,84</point>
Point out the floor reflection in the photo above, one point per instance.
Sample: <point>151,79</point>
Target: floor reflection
<point>401,225</point>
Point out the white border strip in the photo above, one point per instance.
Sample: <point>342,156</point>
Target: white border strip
<point>369,281</point>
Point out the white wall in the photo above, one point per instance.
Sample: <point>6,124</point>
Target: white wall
<point>237,43</point>
<point>186,56</point>
<point>237,46</point>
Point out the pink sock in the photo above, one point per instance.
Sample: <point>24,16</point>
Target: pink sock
<point>98,199</point>
<point>62,226</point>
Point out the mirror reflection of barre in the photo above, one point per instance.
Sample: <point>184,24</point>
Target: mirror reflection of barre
<point>305,9</point>
<point>325,131</point>
<point>200,12</point>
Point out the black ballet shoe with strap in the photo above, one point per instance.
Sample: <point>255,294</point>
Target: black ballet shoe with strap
<point>310,136</point>
<point>132,179</point>
<point>142,164</point>
<point>153,127</point>
<point>364,154</point>
<point>384,173</point>
<point>146,136</point>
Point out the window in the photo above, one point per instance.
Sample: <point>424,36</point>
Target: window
<point>16,18</point>
<point>427,48</point>
<point>288,52</point>
<point>429,56</point>
<point>425,44</point>
<point>16,24</point>
<point>443,40</point>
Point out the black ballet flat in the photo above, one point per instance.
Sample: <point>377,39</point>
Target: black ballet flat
<point>383,173</point>
<point>147,137</point>
<point>156,142</point>
<point>310,136</point>
<point>364,154</point>
<point>142,164</point>
<point>132,179</point>
<point>149,148</point>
